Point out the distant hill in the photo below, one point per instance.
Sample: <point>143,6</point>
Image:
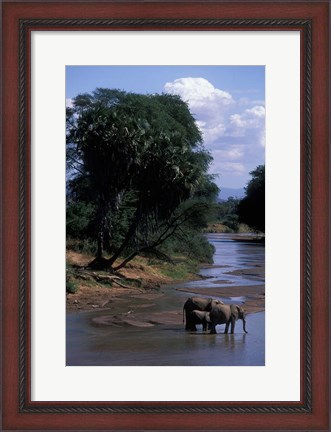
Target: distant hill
<point>225,193</point>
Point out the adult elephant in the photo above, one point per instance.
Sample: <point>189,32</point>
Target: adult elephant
<point>199,304</point>
<point>228,315</point>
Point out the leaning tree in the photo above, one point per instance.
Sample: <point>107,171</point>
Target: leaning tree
<point>135,159</point>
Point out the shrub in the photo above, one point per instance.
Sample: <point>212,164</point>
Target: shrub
<point>71,287</point>
<point>85,246</point>
<point>192,245</point>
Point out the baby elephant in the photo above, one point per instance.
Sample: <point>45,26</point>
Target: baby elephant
<point>226,314</point>
<point>201,317</point>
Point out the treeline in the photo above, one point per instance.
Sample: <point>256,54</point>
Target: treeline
<point>250,210</point>
<point>137,178</point>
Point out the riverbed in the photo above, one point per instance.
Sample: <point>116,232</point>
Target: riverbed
<point>146,329</point>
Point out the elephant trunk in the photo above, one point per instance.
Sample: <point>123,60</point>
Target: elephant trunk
<point>244,325</point>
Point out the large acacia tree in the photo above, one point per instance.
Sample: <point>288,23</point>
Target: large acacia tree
<point>136,159</point>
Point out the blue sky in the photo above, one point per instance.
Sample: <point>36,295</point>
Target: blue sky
<point>228,103</point>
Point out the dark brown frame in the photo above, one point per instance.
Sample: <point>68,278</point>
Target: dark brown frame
<point>312,20</point>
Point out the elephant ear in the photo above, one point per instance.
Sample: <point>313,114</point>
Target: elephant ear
<point>235,310</point>
<point>209,305</point>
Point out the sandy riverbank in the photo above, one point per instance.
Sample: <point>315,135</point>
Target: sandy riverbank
<point>94,295</point>
<point>155,303</point>
<point>147,309</point>
<point>99,297</point>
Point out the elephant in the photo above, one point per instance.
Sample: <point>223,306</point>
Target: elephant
<point>226,314</point>
<point>201,317</point>
<point>199,304</point>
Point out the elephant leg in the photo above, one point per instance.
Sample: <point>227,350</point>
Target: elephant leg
<point>212,328</point>
<point>227,327</point>
<point>233,323</point>
<point>191,327</point>
<point>189,321</point>
<point>191,324</point>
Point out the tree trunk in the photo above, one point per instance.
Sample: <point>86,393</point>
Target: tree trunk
<point>126,241</point>
<point>100,246</point>
<point>128,259</point>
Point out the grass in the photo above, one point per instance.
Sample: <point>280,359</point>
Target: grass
<point>221,228</point>
<point>144,271</point>
<point>181,270</point>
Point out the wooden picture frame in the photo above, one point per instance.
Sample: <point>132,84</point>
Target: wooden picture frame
<point>19,412</point>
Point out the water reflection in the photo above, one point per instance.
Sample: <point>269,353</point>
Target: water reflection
<point>167,346</point>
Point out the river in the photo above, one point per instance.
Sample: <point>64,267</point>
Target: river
<point>238,267</point>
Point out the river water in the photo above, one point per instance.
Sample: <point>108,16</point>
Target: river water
<point>169,344</point>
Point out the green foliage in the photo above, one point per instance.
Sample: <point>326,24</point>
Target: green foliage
<point>86,246</point>
<point>79,215</point>
<point>180,270</point>
<point>119,220</point>
<point>218,228</point>
<point>257,182</point>
<point>251,209</point>
<point>133,160</point>
<point>243,228</point>
<point>227,213</point>
<point>71,286</point>
<point>191,244</point>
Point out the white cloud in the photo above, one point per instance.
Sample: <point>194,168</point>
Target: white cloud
<point>198,92</point>
<point>250,123</point>
<point>233,131</point>
<point>245,101</point>
<point>250,118</point>
<point>232,153</point>
<point>207,103</point>
<point>69,103</point>
<point>224,167</point>
<point>212,133</point>
<point>236,168</point>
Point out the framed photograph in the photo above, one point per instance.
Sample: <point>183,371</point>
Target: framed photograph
<point>165,219</point>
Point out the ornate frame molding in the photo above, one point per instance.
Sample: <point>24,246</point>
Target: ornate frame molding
<point>27,25</point>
